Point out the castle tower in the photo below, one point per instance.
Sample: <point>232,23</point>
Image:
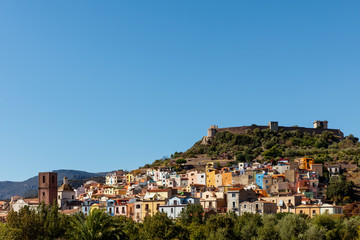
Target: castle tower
<point>47,187</point>
<point>321,124</point>
<point>273,126</point>
<point>212,131</point>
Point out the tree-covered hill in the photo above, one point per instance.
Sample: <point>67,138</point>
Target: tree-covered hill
<point>266,144</point>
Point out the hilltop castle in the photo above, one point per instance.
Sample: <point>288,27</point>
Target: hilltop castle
<point>319,127</point>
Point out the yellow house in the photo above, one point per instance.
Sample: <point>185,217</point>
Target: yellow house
<point>311,210</point>
<point>151,207</point>
<point>210,177</point>
<point>109,190</point>
<point>129,177</point>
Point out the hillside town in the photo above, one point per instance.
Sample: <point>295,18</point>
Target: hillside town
<point>262,188</point>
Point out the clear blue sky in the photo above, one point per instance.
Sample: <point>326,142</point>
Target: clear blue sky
<point>105,85</point>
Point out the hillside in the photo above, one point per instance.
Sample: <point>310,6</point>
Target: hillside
<point>265,144</point>
<point>29,187</point>
<point>256,144</point>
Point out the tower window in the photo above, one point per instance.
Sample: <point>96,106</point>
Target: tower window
<point>53,179</point>
<point>43,179</point>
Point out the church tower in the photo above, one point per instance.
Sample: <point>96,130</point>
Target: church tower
<point>47,187</point>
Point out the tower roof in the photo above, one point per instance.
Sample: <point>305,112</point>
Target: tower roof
<point>65,187</point>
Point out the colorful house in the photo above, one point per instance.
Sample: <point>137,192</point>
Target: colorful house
<point>311,210</point>
<point>176,204</point>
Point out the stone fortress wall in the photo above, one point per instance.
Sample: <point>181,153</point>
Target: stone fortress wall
<point>319,127</point>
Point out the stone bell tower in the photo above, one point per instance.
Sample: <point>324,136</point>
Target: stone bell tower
<point>47,187</point>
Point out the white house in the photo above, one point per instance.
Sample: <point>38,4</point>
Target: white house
<point>19,203</point>
<point>201,178</point>
<point>176,204</point>
<point>330,209</point>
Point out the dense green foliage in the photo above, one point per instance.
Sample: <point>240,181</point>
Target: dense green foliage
<point>192,224</point>
<point>340,190</point>
<point>267,144</point>
<point>46,223</point>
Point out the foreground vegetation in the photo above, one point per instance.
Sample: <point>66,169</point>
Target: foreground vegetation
<point>47,223</point>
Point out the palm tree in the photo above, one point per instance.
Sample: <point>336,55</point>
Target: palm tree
<point>97,226</point>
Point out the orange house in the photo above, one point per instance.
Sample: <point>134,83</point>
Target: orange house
<point>305,163</point>
<point>226,176</point>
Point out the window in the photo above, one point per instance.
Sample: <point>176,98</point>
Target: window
<point>146,207</point>
<point>233,204</point>
<point>85,209</point>
<point>301,211</point>
<point>157,206</point>
<point>123,210</point>
<point>43,179</point>
<point>172,210</point>
<point>314,212</point>
<point>266,181</point>
<point>244,205</point>
<point>137,206</point>
<point>43,194</point>
<point>233,195</point>
<point>72,196</point>
<point>289,201</point>
<point>175,202</point>
<point>53,179</point>
<point>202,176</point>
<point>207,196</point>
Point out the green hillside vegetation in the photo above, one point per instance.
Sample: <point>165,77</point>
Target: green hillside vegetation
<point>266,144</point>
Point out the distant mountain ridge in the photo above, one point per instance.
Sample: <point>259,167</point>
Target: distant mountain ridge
<point>29,187</point>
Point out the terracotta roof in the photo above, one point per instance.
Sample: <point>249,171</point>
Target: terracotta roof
<point>235,189</point>
<point>307,206</point>
<point>159,190</point>
<point>264,201</point>
<point>33,201</point>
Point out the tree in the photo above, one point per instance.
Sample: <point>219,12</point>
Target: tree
<point>97,226</point>
<point>220,226</point>
<point>160,226</point>
<point>291,226</point>
<point>180,161</point>
<point>273,152</point>
<point>340,190</point>
<point>24,225</point>
<point>268,231</point>
<point>192,213</point>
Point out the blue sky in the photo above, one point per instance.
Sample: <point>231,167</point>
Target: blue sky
<point>105,85</point>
